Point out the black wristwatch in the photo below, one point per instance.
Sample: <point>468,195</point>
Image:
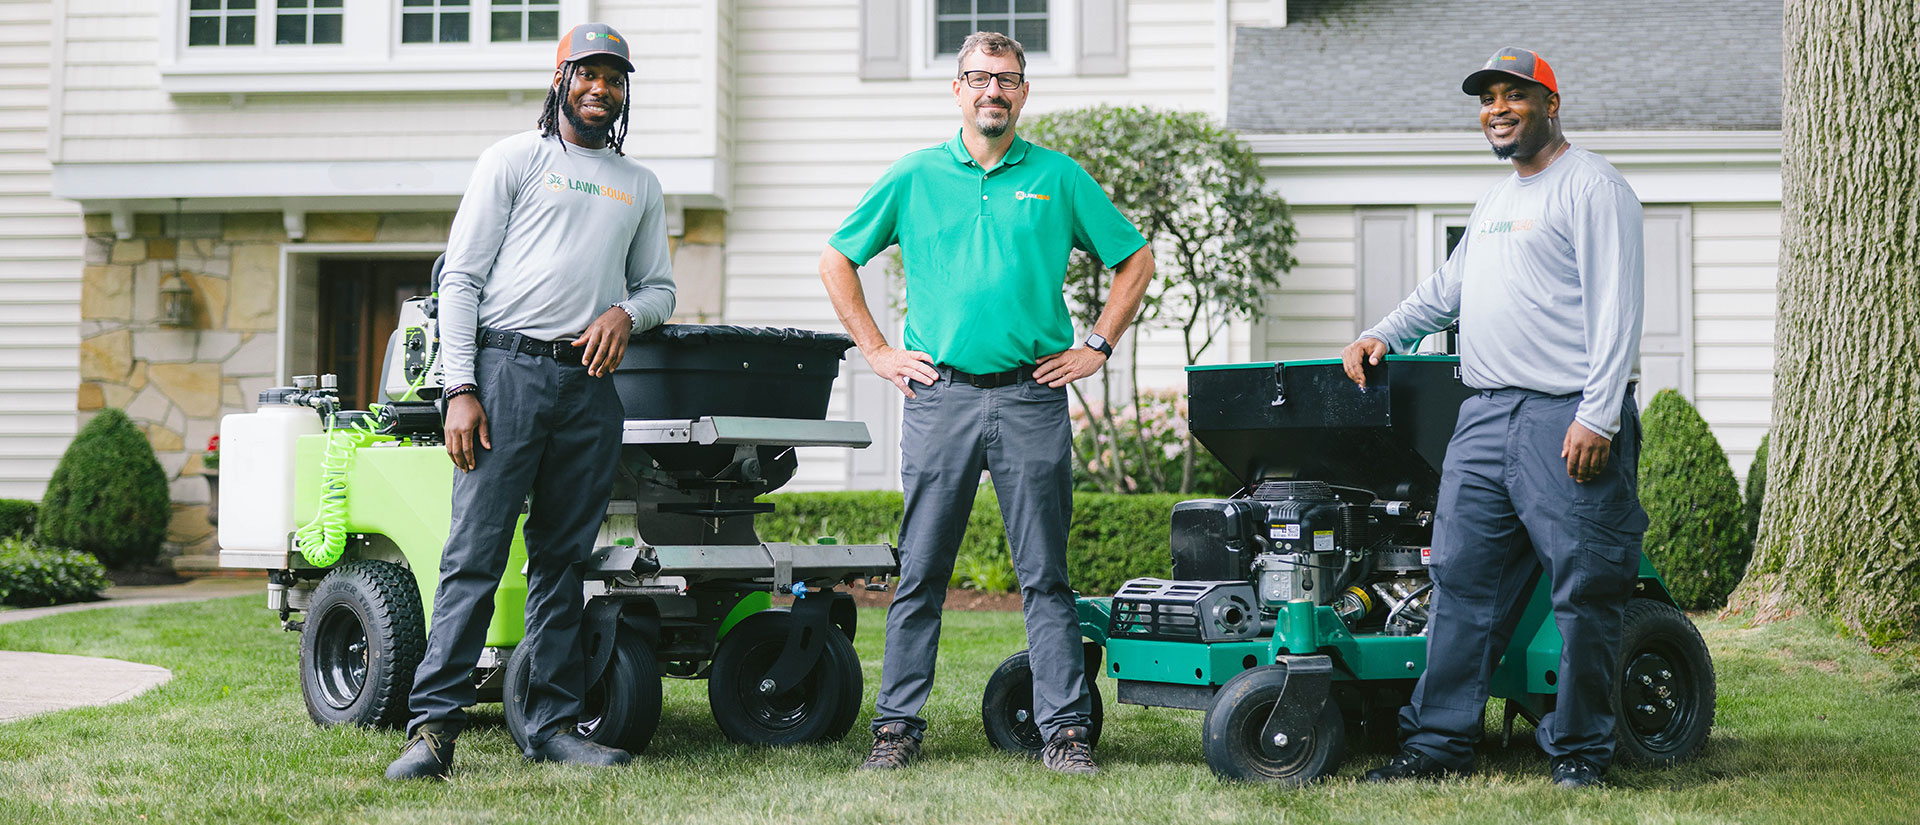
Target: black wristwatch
<point>1099,343</point>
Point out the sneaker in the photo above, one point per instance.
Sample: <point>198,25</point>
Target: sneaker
<point>1574,772</point>
<point>893,747</point>
<point>1069,751</point>
<point>1412,764</point>
<point>428,755</point>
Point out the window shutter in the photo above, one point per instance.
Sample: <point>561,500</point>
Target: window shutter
<point>1103,37</point>
<point>883,39</point>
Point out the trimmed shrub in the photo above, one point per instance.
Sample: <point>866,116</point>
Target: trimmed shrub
<point>33,576</point>
<point>108,496</point>
<point>1697,536</point>
<point>17,517</point>
<point>1756,490</point>
<point>1113,537</point>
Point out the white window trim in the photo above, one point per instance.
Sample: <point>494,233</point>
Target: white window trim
<point>1063,32</point>
<point>369,58</point>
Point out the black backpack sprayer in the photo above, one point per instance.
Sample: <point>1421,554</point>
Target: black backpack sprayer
<point>349,511</point>
<point>1297,610</point>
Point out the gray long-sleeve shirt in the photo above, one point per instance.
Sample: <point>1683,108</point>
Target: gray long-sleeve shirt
<point>1548,285</point>
<point>545,241</point>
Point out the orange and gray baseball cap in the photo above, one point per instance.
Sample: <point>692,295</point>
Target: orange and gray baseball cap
<point>589,39</point>
<point>1525,64</point>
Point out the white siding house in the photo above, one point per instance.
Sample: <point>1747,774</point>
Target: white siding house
<point>39,261</point>
<point>294,187</point>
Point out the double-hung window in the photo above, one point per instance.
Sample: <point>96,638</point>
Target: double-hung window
<point>221,22</point>
<point>1023,20</point>
<point>307,22</point>
<point>245,46</point>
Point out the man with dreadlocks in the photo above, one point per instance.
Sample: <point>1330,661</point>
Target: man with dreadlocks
<point>557,255</point>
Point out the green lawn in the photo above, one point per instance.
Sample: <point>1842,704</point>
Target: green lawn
<point>1811,728</point>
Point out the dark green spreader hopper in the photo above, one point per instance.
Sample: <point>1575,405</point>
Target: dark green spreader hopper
<point>1307,420</point>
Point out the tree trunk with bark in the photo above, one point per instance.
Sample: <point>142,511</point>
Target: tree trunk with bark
<point>1840,529</point>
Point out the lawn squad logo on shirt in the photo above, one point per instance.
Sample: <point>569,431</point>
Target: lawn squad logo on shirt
<point>561,183</point>
<point>1020,196</point>
<point>1491,227</point>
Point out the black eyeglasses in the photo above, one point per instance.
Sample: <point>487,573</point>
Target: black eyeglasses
<point>1007,80</point>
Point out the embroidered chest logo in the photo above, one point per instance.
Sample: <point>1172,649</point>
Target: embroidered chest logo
<point>561,183</point>
<point>1020,196</point>
<point>1491,227</point>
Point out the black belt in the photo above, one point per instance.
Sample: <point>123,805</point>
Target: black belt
<point>1017,375</point>
<point>562,351</point>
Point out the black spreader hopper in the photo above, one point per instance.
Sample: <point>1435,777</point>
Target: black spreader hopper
<point>1307,420</point>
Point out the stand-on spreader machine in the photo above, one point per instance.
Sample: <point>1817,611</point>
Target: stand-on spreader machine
<point>1297,610</point>
<point>349,510</point>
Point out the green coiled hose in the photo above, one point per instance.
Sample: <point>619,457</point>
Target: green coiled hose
<point>324,539</point>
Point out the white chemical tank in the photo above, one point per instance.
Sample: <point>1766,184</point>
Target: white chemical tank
<point>256,473</point>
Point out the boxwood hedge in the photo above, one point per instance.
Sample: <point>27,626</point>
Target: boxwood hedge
<point>32,576</point>
<point>1113,538</point>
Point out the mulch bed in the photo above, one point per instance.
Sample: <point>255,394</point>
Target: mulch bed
<point>144,576</point>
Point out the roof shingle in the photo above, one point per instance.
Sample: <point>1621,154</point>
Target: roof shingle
<point>1396,65</point>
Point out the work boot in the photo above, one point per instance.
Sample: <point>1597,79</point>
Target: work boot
<point>893,747</point>
<point>428,755</point>
<point>1574,772</point>
<point>1412,764</point>
<point>1069,751</point>
<point>568,748</point>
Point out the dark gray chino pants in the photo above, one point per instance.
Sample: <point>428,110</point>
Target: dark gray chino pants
<point>1019,433</point>
<point>1508,508</point>
<point>556,434</point>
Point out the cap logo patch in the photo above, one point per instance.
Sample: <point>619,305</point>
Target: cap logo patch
<point>592,35</point>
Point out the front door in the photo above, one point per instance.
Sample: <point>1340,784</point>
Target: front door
<point>359,309</point>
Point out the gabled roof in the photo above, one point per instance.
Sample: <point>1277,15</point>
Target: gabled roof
<point>1396,65</point>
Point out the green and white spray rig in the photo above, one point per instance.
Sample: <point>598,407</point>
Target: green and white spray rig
<point>349,510</point>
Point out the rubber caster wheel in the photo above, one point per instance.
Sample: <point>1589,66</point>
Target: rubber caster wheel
<point>1006,710</point>
<point>620,710</point>
<point>821,707</point>
<point>1232,737</point>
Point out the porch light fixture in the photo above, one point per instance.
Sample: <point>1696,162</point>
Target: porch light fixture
<point>176,301</point>
<point>176,298</point>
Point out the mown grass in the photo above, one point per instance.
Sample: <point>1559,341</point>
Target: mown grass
<point>1811,728</point>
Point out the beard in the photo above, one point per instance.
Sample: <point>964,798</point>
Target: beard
<point>993,126</point>
<point>1526,143</point>
<point>587,131</point>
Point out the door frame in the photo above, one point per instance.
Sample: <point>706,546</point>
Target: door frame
<point>300,263</point>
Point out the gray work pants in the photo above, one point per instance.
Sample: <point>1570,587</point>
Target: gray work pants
<point>1507,509</point>
<point>1019,433</point>
<point>556,434</point>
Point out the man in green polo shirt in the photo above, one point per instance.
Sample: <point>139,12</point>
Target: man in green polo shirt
<point>985,225</point>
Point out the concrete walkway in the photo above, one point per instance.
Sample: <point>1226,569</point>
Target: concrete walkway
<point>33,683</point>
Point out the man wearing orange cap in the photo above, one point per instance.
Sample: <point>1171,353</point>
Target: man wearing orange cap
<point>557,255</point>
<point>1547,288</point>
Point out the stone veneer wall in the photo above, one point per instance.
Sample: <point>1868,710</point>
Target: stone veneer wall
<point>176,383</point>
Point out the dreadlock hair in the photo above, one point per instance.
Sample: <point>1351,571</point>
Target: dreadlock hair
<point>552,112</point>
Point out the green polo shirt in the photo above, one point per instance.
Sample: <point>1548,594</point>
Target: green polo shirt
<point>985,251</point>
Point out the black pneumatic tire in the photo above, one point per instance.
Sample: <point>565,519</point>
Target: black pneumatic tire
<point>1006,709</point>
<point>620,710</point>
<point>1231,734</point>
<point>363,638</point>
<point>821,708</point>
<point>1664,692</point>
